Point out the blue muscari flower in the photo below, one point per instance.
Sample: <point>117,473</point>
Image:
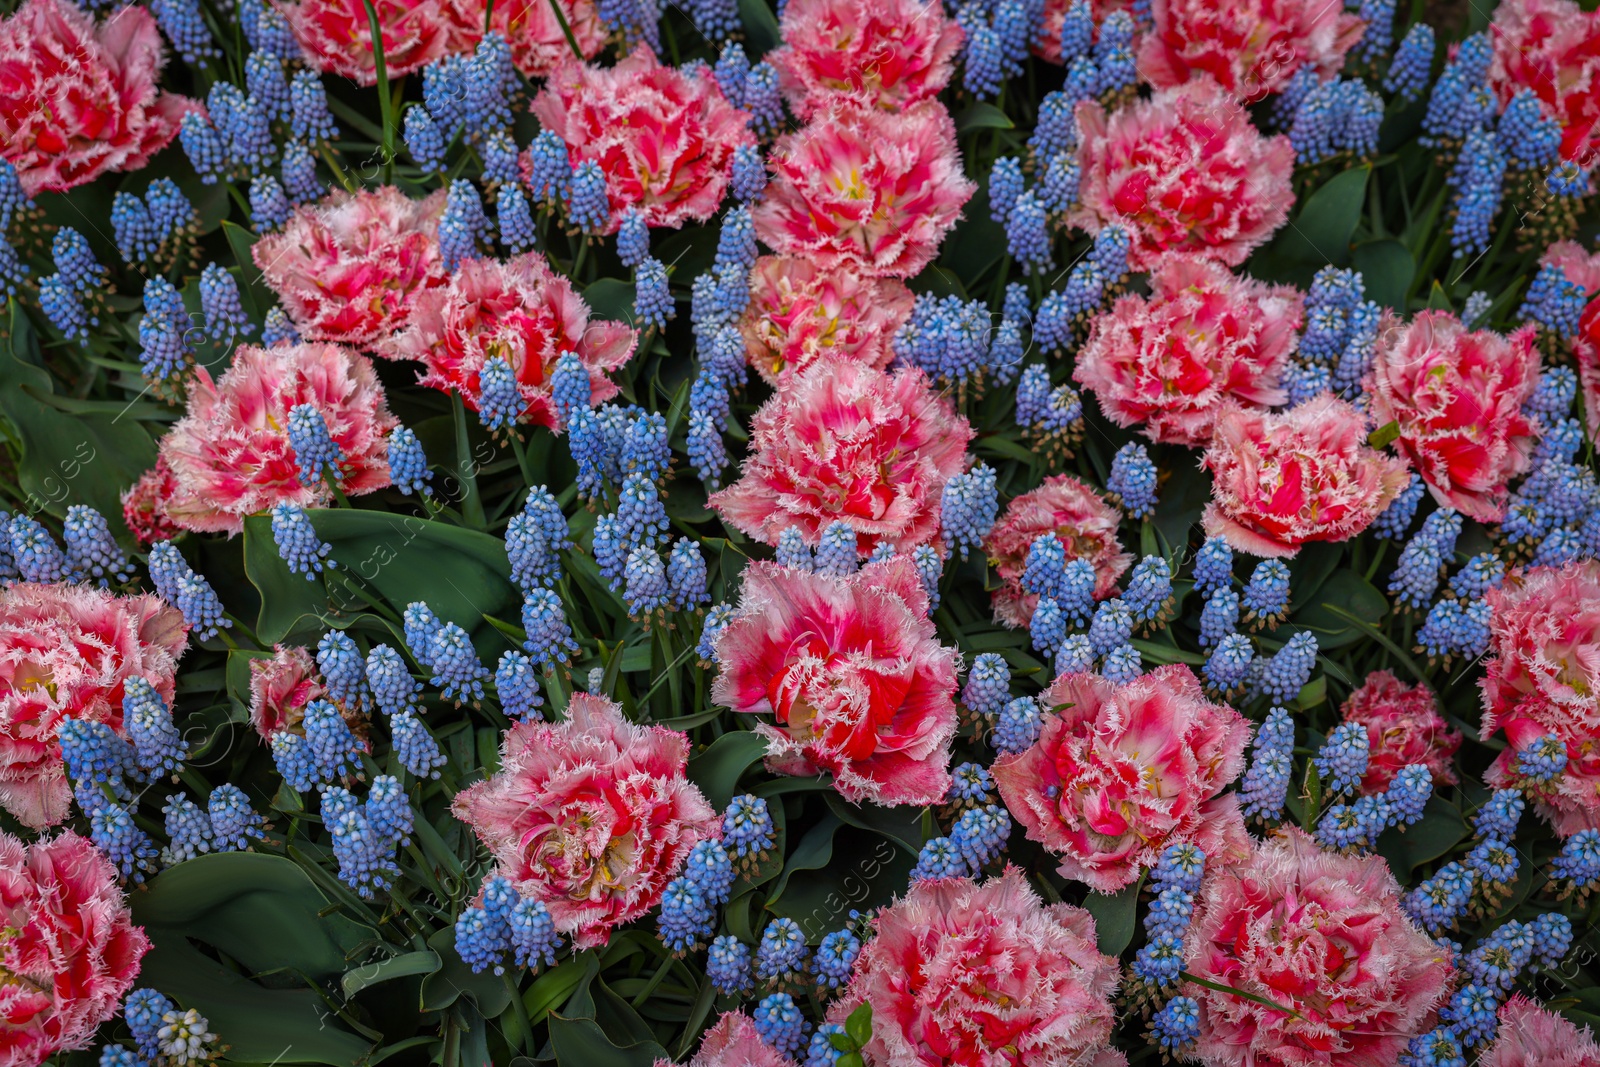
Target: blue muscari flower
<point>91,550</point>
<point>500,402</point>
<point>309,103</point>
<point>221,304</point>
<point>1379,35</point>
<point>1133,480</point>
<point>988,685</point>
<point>315,451</point>
<point>837,553</point>
<point>1555,303</point>
<point>93,755</point>
<point>1219,618</point>
<point>939,858</point>
<point>1395,520</point>
<point>1110,252</point>
<point>269,204</point>
<point>188,830</point>
<point>37,557</point>
<point>424,139</point>
<point>1342,760</point>
<point>711,869</point>
<point>1527,137</point>
<point>1289,669</point>
<point>728,966</point>
<point>1045,567</point>
<point>344,671</point>
<point>515,218</point>
<point>780,1024</point>
<point>1568,181</point>
<point>298,173</point>
<point>1551,934</point>
<point>267,30</point>
<point>1438,903</point>
<point>192,595</point>
<point>1499,815</point>
<point>1266,595</point>
<point>1408,73</point>
<point>983,54</point>
<point>171,214</point>
<point>716,620</point>
<point>1470,1014</point>
<point>143,1011</point>
<point>1266,783</point>
<point>1461,102</point>
<point>1006,184</point>
<point>610,550</point>
<point>163,331</point>
<point>408,464</point>
<point>129,848</point>
<point>1229,663</point>
<point>234,823</point>
<point>968,509</point>
<point>550,173</point>
<point>1475,312</point>
<point>1408,793</point>
<point>1302,381</point>
<point>645,581</point>
<point>1122,665</point>
<point>266,84</point>
<point>1357,826</point>
<point>687,919</point>
<point>516,684</point>
<point>835,956</point>
<point>749,179</point>
<point>207,153</point>
<point>1077,591</point>
<point>1083,78</point>
<point>1542,759</point>
<point>1055,131</point>
<point>588,207</point>
<point>1085,290</point>
<point>1552,399</point>
<point>1495,863</point>
<point>331,747</point>
<point>1015,24</point>
<point>292,756</point>
<point>1334,117</point>
<point>1149,589</point>
<point>644,447</point>
<point>707,453</point>
<point>1052,330</point>
<point>1050,414</point>
<point>1500,957</point>
<point>1017,726</point>
<point>456,668</point>
<point>534,940</point>
<point>641,516</point>
<point>980,834</point>
<point>277,329</point>
<point>1579,862</point>
<point>157,745</point>
<point>499,152</point>
<point>298,542</point>
<point>444,93</point>
<point>1075,656</point>
<point>736,241</point>
<point>489,78</point>
<point>1456,628</point>
<point>1028,234</point>
<point>63,305</point>
<point>781,956</point>
<point>731,70</point>
<point>1058,184</point>
<point>1479,181</point>
<point>1482,572</point>
<point>970,785</point>
<point>480,942</point>
<point>747,829</point>
<point>1159,962</point>
<point>1416,576</point>
<point>1111,626</point>
<point>930,569</point>
<point>463,228</point>
<point>570,387</point>
<point>633,238</point>
<point>1177,1025</point>
<point>549,639</point>
<point>415,746</point>
<point>1213,566</point>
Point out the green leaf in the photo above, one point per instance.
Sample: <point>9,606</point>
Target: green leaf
<point>405,965</point>
<point>1387,267</point>
<point>1115,917</point>
<point>844,867</point>
<point>1439,830</point>
<point>462,574</point>
<point>1345,591</point>
<point>902,824</point>
<point>717,770</point>
<point>1320,231</point>
<point>581,1043</point>
<point>454,979</point>
<point>65,459</point>
<point>981,116</point>
<point>610,298</point>
<point>242,243</point>
<point>1384,434</point>
<point>858,1024</point>
<point>761,34</point>
<point>264,913</point>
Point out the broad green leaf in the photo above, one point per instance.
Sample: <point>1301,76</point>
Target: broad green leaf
<point>405,965</point>
<point>581,1043</point>
<point>1347,591</point>
<point>462,574</point>
<point>981,116</point>
<point>1115,917</point>
<point>1387,267</point>
<point>717,770</point>
<point>454,979</point>
<point>1439,830</point>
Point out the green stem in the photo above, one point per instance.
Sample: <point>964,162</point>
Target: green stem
<point>385,103</point>
<point>466,467</point>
